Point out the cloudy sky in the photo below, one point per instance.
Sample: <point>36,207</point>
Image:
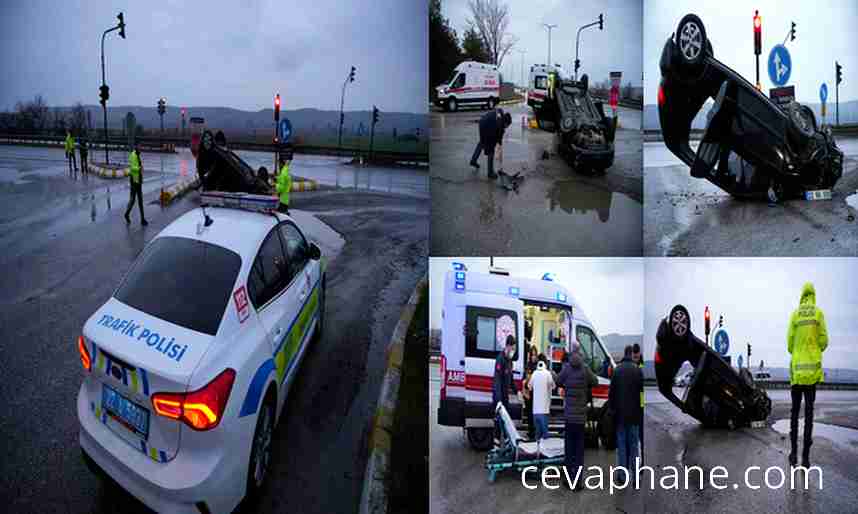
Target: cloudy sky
<point>609,290</point>
<point>757,298</point>
<point>616,48</point>
<point>825,32</point>
<point>218,53</point>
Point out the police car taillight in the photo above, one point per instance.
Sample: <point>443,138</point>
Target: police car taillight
<point>85,359</point>
<point>201,409</point>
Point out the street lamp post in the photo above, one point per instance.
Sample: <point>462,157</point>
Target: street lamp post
<point>522,52</point>
<point>105,91</point>
<point>549,26</point>
<point>600,22</point>
<point>350,78</point>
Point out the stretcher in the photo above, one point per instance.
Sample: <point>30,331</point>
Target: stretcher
<point>517,452</point>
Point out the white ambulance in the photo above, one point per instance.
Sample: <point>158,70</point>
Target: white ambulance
<point>472,83</point>
<point>480,310</point>
<point>537,85</point>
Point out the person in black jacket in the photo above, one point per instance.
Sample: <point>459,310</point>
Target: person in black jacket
<point>492,127</point>
<point>503,382</point>
<point>624,401</point>
<point>576,379</point>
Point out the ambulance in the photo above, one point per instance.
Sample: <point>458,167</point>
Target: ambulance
<point>480,310</point>
<point>537,85</point>
<point>472,83</point>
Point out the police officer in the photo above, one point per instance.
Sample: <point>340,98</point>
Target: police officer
<point>503,380</point>
<point>807,338</point>
<point>69,147</point>
<point>491,128</point>
<point>284,185</point>
<point>84,152</point>
<point>135,172</point>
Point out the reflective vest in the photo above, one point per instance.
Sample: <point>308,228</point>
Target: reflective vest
<point>134,166</point>
<point>69,144</point>
<point>284,184</point>
<point>807,338</point>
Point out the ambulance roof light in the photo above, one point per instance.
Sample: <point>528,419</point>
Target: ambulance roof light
<point>561,297</point>
<point>548,277</point>
<point>458,266</point>
<point>514,291</point>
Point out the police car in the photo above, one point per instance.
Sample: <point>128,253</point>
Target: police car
<point>188,365</point>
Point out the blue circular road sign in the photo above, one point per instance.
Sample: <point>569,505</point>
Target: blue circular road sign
<point>823,92</point>
<point>780,65</point>
<point>285,130</point>
<point>722,341</point>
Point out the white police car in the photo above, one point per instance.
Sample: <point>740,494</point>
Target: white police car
<point>188,365</point>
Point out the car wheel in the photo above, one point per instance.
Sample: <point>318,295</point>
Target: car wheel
<point>261,451</point>
<point>480,439</point>
<point>691,41</point>
<point>452,105</point>
<point>679,321</point>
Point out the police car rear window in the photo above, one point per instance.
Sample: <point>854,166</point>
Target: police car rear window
<point>183,281</point>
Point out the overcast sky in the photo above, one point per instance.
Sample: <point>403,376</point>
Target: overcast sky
<point>757,298</point>
<point>218,53</point>
<point>825,32</point>
<point>609,290</point>
<point>616,48</point>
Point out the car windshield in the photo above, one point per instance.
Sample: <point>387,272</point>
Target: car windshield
<point>183,281</point>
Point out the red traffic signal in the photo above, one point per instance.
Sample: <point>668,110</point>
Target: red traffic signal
<point>277,106</point>
<point>706,319</point>
<point>758,33</point>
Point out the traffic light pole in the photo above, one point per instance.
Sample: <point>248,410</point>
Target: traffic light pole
<point>836,102</point>
<point>342,101</point>
<point>104,103</point>
<point>577,43</point>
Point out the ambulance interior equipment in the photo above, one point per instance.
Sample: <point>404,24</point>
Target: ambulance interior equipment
<point>517,452</point>
<point>717,395</point>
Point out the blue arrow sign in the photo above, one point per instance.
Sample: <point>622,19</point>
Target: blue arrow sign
<point>823,92</point>
<point>722,341</point>
<point>780,65</point>
<point>285,130</point>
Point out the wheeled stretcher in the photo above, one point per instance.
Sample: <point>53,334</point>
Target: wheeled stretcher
<point>516,452</point>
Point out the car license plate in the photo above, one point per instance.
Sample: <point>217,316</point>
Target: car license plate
<point>131,415</point>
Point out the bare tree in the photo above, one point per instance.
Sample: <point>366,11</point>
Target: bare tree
<point>77,119</point>
<point>490,19</point>
<point>32,115</point>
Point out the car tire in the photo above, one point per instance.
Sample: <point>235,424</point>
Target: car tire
<point>480,439</point>
<point>679,322</point>
<point>452,105</point>
<point>261,447</point>
<point>802,124</point>
<point>691,42</point>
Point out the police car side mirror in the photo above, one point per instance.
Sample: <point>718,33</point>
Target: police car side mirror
<point>315,252</point>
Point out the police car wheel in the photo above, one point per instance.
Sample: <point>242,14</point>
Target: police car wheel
<point>260,455</point>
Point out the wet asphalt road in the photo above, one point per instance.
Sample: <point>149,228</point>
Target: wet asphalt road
<point>60,263</point>
<point>687,216</point>
<point>673,438</point>
<point>556,210</point>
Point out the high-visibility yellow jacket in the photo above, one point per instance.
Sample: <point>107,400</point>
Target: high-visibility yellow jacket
<point>807,338</point>
<point>134,166</point>
<point>69,143</point>
<point>284,184</point>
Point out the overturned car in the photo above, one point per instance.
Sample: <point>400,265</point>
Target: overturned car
<point>717,395</point>
<point>750,147</point>
<point>585,136</point>
<point>220,169</point>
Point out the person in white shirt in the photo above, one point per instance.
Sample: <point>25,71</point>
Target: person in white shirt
<point>541,383</point>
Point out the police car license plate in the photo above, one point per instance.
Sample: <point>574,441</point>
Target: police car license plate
<point>132,416</point>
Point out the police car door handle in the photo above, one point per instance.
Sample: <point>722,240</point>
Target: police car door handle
<point>462,362</point>
<point>277,331</point>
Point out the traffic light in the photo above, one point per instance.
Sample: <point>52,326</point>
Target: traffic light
<point>352,74</point>
<point>749,352</point>
<point>577,64</point>
<point>374,115</point>
<point>792,32</point>
<point>706,320</point>
<point>121,25</point>
<point>162,106</point>
<point>838,72</point>
<point>277,107</point>
<point>601,22</point>
<point>758,33</point>
<point>721,320</point>
<point>104,94</point>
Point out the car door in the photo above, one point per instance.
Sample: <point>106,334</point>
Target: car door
<point>276,304</point>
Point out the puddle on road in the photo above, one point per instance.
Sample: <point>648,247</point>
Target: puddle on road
<point>579,199</point>
<point>836,434</point>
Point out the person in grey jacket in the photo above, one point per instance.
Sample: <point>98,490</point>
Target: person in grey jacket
<point>576,379</point>
<point>624,401</point>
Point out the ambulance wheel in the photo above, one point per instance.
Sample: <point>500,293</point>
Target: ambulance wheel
<point>452,105</point>
<point>261,451</point>
<point>480,439</point>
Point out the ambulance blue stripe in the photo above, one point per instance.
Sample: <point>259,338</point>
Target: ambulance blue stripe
<point>142,445</point>
<point>257,384</point>
<point>145,381</point>
<point>162,455</point>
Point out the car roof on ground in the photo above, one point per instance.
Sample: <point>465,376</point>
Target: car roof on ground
<point>236,229</point>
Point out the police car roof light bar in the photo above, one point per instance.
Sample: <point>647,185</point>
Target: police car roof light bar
<point>244,201</point>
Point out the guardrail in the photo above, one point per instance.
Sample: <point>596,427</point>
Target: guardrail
<point>623,102</point>
<point>783,384</point>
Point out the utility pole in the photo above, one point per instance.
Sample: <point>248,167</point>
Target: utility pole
<point>104,90</point>
<point>601,23</point>
<point>350,78</point>
<point>522,52</point>
<point>549,26</point>
<point>838,74</point>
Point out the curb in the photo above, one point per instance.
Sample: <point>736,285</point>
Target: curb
<point>374,494</point>
<point>105,172</point>
<point>177,190</point>
<point>511,102</point>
